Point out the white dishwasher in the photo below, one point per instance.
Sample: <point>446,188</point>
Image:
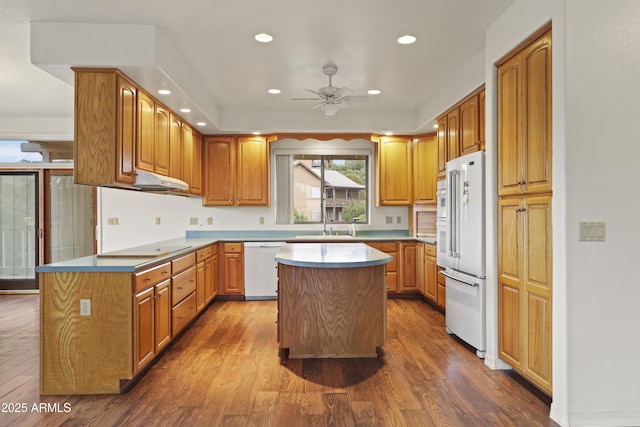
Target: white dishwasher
<point>260,275</point>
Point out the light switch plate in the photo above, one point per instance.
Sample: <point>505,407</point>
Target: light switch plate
<point>592,231</point>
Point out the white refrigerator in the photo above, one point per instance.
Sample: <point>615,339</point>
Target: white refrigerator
<point>465,251</point>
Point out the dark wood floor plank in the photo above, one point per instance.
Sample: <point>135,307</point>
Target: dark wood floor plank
<point>225,370</point>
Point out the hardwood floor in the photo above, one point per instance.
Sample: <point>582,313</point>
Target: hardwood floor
<point>225,371</point>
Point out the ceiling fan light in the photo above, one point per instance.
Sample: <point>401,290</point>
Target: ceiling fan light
<point>274,91</point>
<point>330,109</point>
<point>374,91</point>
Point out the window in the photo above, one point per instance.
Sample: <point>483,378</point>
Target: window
<point>342,179</point>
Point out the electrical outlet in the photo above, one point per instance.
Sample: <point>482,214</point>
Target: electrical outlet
<point>85,307</point>
<point>193,220</point>
<point>261,220</point>
<point>157,220</point>
<point>398,220</point>
<point>592,231</point>
<point>388,220</point>
<point>209,220</point>
<point>113,220</point>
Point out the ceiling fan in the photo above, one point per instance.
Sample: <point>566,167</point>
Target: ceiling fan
<point>332,98</point>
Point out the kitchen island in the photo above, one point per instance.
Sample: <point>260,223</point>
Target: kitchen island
<point>331,300</point>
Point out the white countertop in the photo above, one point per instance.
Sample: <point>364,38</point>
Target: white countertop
<point>331,255</point>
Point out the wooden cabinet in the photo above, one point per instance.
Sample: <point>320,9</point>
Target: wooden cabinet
<point>524,210</point>
<point>175,147</point>
<point>391,277</point>
<point>205,276</point>
<point>524,287</point>
<point>232,271</point>
<point>151,313</point>
<point>461,129</point>
<point>195,184</point>
<point>394,171</point>
<point>524,120</point>
<point>237,171</point>
<point>408,267</point>
<point>425,169</point>
<point>442,287</point>
<point>428,273</point>
<point>105,127</point>
<point>154,129</point>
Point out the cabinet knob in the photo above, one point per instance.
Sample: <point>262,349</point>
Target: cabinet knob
<point>147,279</point>
<point>165,272</point>
<point>179,288</point>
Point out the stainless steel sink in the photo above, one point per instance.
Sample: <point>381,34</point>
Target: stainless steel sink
<point>321,237</point>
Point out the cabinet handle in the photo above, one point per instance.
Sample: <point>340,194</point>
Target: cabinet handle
<point>180,317</point>
<point>179,288</point>
<point>191,280</point>
<point>165,272</point>
<point>147,279</point>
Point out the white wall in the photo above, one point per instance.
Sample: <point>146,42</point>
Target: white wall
<point>137,212</point>
<point>602,148</point>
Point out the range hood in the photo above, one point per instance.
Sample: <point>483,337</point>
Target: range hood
<point>149,181</point>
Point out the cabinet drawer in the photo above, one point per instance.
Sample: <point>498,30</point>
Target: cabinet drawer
<point>391,265</point>
<point>203,254</point>
<point>384,246</point>
<point>182,263</point>
<point>442,295</point>
<point>183,313</point>
<point>441,278</point>
<point>151,277</point>
<point>182,285</point>
<point>233,248</point>
<point>429,250</point>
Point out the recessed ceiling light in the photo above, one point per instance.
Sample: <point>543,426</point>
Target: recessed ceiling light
<point>185,110</point>
<point>388,133</point>
<point>201,124</point>
<point>435,126</point>
<point>257,133</point>
<point>407,39</point>
<point>164,91</point>
<point>374,92</point>
<point>274,91</point>
<point>264,37</point>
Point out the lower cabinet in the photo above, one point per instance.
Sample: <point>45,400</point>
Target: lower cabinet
<point>232,274</point>
<point>408,267</point>
<point>431,288</point>
<point>207,276</point>
<point>391,277</point>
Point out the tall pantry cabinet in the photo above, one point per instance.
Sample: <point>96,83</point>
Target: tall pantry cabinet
<point>524,209</point>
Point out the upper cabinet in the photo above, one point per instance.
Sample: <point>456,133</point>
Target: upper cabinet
<point>461,129</point>
<point>105,127</point>
<point>524,120</point>
<point>395,179</point>
<point>154,130</point>
<point>237,171</point>
<point>425,168</point>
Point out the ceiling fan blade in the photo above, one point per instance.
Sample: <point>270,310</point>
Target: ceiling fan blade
<point>356,98</point>
<point>343,91</point>
<point>315,92</point>
<point>318,104</point>
<point>306,99</point>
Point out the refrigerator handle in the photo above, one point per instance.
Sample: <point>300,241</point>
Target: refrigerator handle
<point>457,279</point>
<point>450,213</point>
<point>454,213</point>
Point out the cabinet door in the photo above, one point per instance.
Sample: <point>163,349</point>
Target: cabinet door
<point>482,111</point>
<point>425,169</point>
<point>453,134</point>
<point>408,266</point>
<point>252,171</point>
<point>187,154</point>
<point>420,267</point>
<point>146,132</point>
<point>196,164</point>
<point>394,171</point>
<point>162,315</point>
<point>175,148</point>
<point>536,60</point>
<point>143,328</point>
<point>162,136</point>
<point>126,131</point>
<point>233,274</point>
<point>510,274</point>
<point>200,287</point>
<point>208,280</point>
<point>442,147</point>
<point>219,182</point>
<point>509,127</point>
<point>537,289</point>
<point>431,278</point>
<point>469,126</point>
<point>215,276</point>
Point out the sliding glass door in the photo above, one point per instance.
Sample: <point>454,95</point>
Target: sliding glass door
<point>18,230</point>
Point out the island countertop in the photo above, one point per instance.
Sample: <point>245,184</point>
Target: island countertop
<point>331,255</point>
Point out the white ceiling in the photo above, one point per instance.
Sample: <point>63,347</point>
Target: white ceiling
<point>205,52</point>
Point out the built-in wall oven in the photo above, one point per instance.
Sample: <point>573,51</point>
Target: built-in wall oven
<point>441,223</point>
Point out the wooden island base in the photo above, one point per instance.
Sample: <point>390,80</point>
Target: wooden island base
<point>331,312</point>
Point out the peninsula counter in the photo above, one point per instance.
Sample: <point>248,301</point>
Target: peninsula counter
<point>331,300</point>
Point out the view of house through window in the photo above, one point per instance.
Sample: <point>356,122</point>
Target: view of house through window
<point>329,186</point>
